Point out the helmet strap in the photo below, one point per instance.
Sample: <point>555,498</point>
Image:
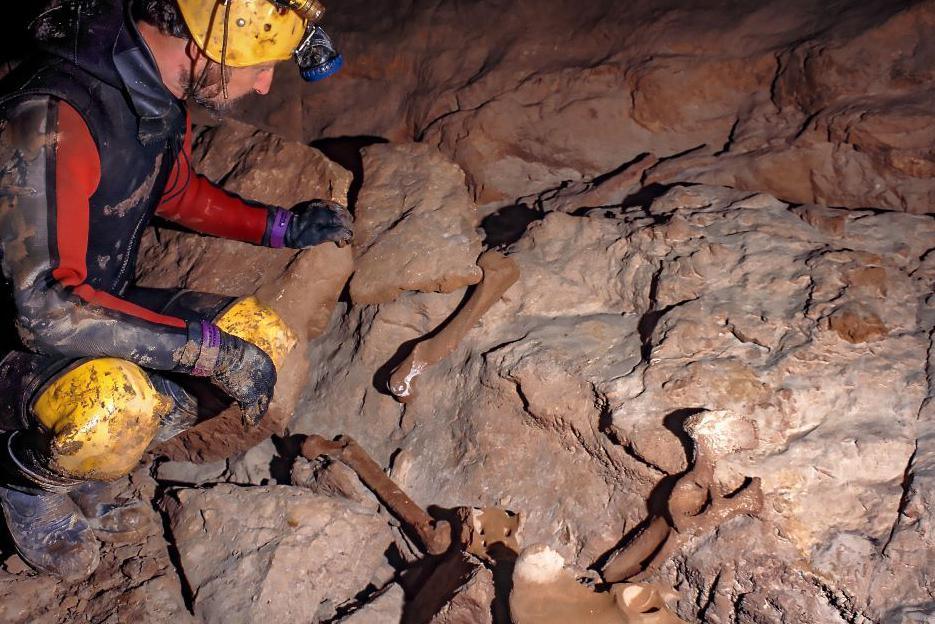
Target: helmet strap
<point>227,16</point>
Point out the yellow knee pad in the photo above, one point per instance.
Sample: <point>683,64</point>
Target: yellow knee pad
<point>101,415</point>
<point>255,322</point>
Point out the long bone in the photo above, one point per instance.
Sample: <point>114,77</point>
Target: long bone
<point>697,504</point>
<point>500,273</point>
<point>435,536</point>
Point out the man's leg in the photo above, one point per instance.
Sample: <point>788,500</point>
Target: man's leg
<point>82,424</point>
<point>95,420</point>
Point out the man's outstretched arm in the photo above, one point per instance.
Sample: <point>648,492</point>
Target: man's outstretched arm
<point>200,205</point>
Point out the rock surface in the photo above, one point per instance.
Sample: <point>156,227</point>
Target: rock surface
<point>273,554</point>
<point>566,402</point>
<point>814,105</point>
<point>459,591</point>
<point>409,190</point>
<point>386,608</point>
<point>802,334</point>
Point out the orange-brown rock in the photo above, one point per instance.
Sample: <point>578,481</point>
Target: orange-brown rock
<point>826,107</point>
<point>409,190</point>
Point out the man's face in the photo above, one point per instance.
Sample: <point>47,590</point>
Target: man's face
<point>205,85</point>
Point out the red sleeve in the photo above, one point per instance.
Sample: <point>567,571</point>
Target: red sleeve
<point>77,175</point>
<point>193,201</point>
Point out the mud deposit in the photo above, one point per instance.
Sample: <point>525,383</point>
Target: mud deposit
<point>664,273</point>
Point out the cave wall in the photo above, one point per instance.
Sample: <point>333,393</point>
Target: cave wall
<point>814,102</point>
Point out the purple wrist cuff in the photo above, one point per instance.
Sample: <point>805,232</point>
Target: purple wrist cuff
<point>277,234</point>
<point>210,349</point>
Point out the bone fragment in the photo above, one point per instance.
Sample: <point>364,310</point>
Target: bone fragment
<point>697,504</point>
<point>546,592</point>
<point>489,533</point>
<point>434,536</point>
<point>500,273</point>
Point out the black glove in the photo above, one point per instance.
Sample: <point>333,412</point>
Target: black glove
<point>246,374</point>
<point>319,221</point>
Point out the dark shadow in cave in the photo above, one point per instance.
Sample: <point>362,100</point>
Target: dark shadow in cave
<point>507,225</point>
<point>648,194</point>
<point>345,151</point>
<point>15,39</point>
<point>287,451</point>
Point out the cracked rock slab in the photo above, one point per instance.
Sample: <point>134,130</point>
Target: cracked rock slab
<point>386,608</point>
<point>411,190</point>
<point>274,554</point>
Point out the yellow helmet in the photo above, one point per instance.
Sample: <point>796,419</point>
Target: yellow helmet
<point>257,31</point>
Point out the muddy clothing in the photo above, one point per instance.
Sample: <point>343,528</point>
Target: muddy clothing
<point>93,147</point>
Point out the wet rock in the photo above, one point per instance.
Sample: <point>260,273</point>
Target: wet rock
<point>276,553</point>
<point>302,286</point>
<point>409,190</point>
<point>827,107</point>
<point>576,387</point>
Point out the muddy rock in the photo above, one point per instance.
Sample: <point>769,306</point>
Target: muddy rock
<point>302,286</point>
<point>577,385</point>
<point>409,190</point>
<point>276,554</point>
<point>251,467</point>
<point>813,106</point>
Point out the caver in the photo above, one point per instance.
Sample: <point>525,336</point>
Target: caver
<point>95,141</point>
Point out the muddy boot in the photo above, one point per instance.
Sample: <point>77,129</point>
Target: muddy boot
<point>114,516</point>
<point>50,533</point>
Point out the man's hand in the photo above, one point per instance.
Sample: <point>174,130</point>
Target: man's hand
<point>319,221</point>
<point>246,374</point>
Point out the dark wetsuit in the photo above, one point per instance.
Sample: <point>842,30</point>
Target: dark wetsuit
<point>70,260</point>
<point>92,147</point>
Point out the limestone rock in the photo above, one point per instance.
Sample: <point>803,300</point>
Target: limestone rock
<point>302,286</point>
<point>575,388</point>
<point>409,190</point>
<point>386,608</point>
<point>829,107</point>
<point>459,591</point>
<point>275,554</point>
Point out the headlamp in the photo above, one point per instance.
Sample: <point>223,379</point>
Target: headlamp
<point>310,10</point>
<point>315,55</point>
